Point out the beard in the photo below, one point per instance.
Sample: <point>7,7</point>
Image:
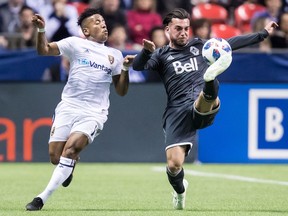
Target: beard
<point>179,43</point>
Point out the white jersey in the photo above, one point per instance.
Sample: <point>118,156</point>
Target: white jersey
<point>92,66</point>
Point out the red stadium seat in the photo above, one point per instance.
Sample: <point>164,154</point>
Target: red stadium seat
<point>224,31</point>
<point>243,15</point>
<point>215,13</point>
<point>80,6</point>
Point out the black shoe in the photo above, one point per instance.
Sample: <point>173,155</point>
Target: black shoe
<point>35,205</point>
<point>67,182</point>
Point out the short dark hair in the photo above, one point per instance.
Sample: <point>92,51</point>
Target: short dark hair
<point>179,13</point>
<point>87,13</point>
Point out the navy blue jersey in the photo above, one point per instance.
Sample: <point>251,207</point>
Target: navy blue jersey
<point>182,69</point>
<point>179,69</point>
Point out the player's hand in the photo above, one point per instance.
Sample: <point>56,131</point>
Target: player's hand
<point>149,45</point>
<point>271,26</point>
<point>38,21</point>
<point>128,60</point>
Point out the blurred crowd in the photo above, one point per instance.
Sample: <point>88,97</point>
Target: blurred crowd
<point>129,21</point>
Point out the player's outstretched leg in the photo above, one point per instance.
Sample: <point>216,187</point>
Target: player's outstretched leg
<point>179,199</point>
<point>217,68</point>
<point>61,172</point>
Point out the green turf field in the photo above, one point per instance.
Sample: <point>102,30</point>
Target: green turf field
<point>143,189</point>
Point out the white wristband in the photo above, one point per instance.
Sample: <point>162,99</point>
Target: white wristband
<point>125,68</point>
<point>41,30</point>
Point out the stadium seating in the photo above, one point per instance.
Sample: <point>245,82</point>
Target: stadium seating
<point>243,15</point>
<point>80,6</point>
<point>215,13</point>
<point>224,31</point>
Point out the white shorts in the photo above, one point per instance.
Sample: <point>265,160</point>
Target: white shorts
<point>68,120</point>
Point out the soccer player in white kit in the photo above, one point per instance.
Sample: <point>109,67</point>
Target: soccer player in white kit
<point>83,109</point>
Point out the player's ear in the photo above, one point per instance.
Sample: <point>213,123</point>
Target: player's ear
<point>167,29</point>
<point>85,32</point>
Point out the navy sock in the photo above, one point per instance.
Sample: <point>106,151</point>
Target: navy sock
<point>176,181</point>
<point>211,89</point>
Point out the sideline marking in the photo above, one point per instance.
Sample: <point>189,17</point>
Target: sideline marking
<point>226,176</point>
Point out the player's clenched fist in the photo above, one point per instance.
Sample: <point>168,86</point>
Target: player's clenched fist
<point>128,60</point>
<point>38,21</point>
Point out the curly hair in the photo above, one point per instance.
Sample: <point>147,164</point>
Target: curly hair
<point>87,13</point>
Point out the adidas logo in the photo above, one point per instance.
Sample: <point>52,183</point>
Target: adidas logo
<point>86,51</point>
<point>170,58</point>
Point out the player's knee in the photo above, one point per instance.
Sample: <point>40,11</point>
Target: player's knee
<point>54,154</point>
<point>54,159</point>
<point>71,152</point>
<point>201,120</point>
<point>174,166</point>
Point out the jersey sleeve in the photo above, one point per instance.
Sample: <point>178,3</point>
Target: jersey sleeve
<point>153,63</point>
<point>118,62</point>
<point>66,46</point>
<point>146,61</point>
<point>247,40</point>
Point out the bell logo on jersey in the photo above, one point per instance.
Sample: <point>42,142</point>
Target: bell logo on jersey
<point>186,67</point>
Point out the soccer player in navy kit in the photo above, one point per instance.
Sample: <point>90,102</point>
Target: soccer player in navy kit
<point>191,87</point>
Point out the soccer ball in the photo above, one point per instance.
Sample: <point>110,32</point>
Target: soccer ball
<point>214,48</point>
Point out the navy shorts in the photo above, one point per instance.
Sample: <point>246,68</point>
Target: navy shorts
<point>180,124</point>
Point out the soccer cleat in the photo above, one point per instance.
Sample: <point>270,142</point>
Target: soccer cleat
<point>179,199</point>
<point>67,182</point>
<point>217,67</point>
<point>35,205</point>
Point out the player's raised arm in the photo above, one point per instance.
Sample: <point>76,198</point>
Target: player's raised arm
<point>241,41</point>
<point>42,45</point>
<point>145,54</point>
<point>121,81</point>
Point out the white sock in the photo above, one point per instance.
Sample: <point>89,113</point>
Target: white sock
<point>60,174</point>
